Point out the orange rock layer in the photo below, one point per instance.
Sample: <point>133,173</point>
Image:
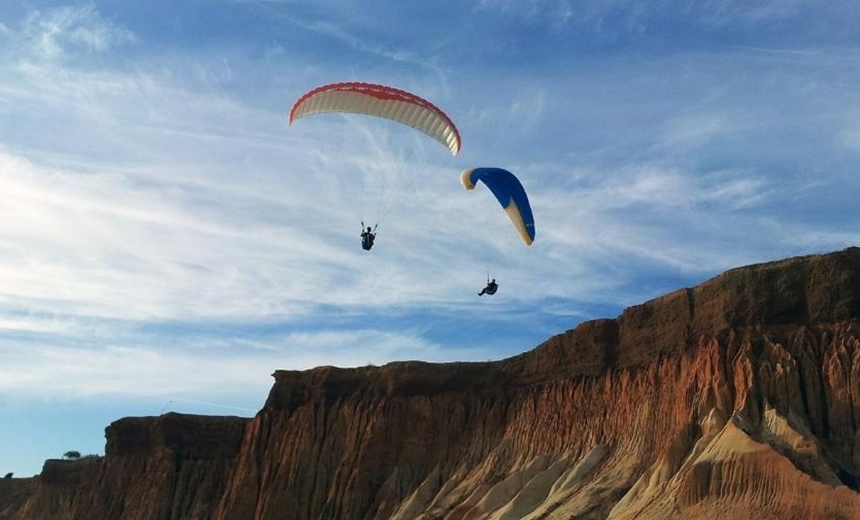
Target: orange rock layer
<point>739,398</point>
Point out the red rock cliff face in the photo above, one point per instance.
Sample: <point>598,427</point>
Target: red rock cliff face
<point>155,468</point>
<point>737,398</point>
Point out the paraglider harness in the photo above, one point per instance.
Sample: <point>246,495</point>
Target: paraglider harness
<point>367,236</point>
<point>490,289</point>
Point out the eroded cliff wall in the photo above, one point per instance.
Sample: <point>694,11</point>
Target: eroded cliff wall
<point>155,468</point>
<point>737,398</point>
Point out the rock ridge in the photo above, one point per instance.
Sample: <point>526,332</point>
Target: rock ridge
<point>739,397</point>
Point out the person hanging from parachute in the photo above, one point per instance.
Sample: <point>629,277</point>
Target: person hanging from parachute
<point>511,195</point>
<point>367,236</point>
<point>383,102</point>
<point>490,289</point>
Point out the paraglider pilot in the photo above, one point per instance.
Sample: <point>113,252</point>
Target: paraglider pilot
<point>367,237</point>
<point>490,289</point>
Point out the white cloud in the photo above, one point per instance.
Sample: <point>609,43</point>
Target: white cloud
<point>728,12</point>
<point>735,190</point>
<point>47,325</point>
<point>666,188</point>
<point>199,366</point>
<point>80,372</point>
<point>153,196</point>
<point>349,32</point>
<point>111,245</point>
<point>164,233</point>
<point>698,129</point>
<point>850,133</point>
<point>553,14</point>
<point>54,33</point>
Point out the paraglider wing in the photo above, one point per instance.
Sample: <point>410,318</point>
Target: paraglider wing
<point>380,101</point>
<point>510,194</point>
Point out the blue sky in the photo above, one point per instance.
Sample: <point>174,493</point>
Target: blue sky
<point>167,241</point>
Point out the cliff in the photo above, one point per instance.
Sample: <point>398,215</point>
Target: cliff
<point>737,398</point>
<point>172,466</point>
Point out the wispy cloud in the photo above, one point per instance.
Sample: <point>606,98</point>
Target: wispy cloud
<point>351,33</point>
<point>554,14</point>
<point>727,12</point>
<point>850,133</point>
<point>130,365</point>
<point>52,33</point>
<point>167,238</point>
<point>142,203</point>
<point>697,129</point>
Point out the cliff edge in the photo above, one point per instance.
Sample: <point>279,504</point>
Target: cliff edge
<point>738,397</point>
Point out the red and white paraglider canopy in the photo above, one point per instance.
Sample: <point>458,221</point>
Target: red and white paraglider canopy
<point>380,101</point>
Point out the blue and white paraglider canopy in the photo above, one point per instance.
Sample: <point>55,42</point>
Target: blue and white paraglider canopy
<point>510,194</point>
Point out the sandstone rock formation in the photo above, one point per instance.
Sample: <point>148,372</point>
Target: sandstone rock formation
<point>172,466</point>
<point>739,398</point>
